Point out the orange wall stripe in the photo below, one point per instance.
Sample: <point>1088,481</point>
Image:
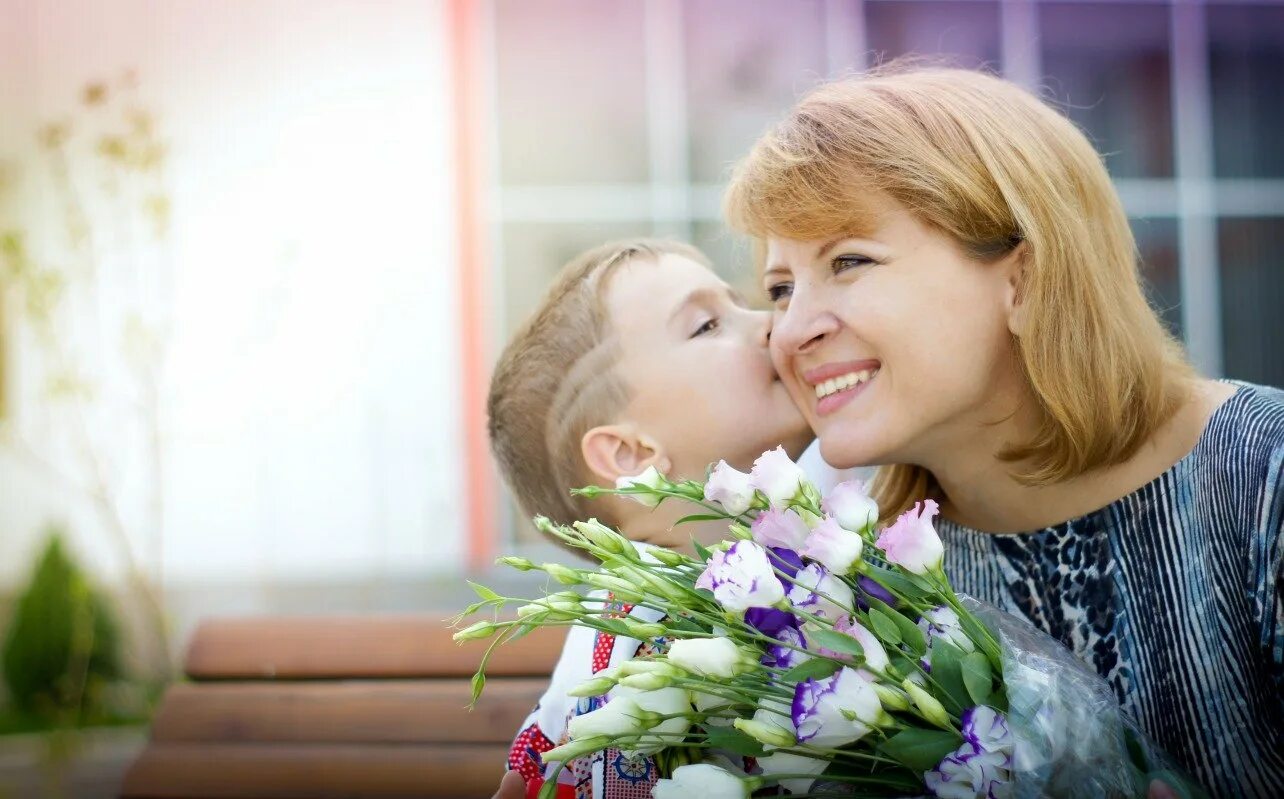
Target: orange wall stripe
<point>468,70</point>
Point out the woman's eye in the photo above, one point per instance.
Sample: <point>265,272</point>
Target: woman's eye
<point>779,291</point>
<point>706,327</point>
<point>844,262</point>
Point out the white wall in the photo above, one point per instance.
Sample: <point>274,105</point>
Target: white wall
<point>310,395</point>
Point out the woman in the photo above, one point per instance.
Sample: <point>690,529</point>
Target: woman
<point>956,293</point>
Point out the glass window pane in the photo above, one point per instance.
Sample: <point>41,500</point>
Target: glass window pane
<point>1108,68</point>
<point>966,30</point>
<point>1251,254</point>
<point>744,70</point>
<point>733,258</point>
<point>1157,243</point>
<point>1246,63</point>
<point>571,91</point>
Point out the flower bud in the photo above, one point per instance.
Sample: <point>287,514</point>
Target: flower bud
<point>563,574</point>
<point>890,697</point>
<point>729,488</point>
<point>928,705</point>
<point>476,632</point>
<point>646,682</point>
<point>575,748</point>
<point>770,734</point>
<point>738,530</point>
<point>643,631</point>
<point>651,478</point>
<point>623,590</point>
<point>711,657</point>
<point>645,667</point>
<point>666,557</point>
<point>521,564</point>
<point>594,687</point>
<point>603,537</point>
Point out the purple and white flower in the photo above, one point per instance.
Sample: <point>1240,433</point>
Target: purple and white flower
<point>783,655</point>
<point>911,542</point>
<point>785,560</point>
<point>777,477</point>
<point>836,548</point>
<point>769,621</point>
<point>851,505</point>
<point>836,710</point>
<point>821,593</point>
<point>869,587</point>
<point>742,578</point>
<point>970,773</point>
<point>987,730</point>
<point>943,623</point>
<point>780,528</point>
<point>729,488</point>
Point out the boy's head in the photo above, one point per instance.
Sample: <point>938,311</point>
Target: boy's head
<point>638,355</point>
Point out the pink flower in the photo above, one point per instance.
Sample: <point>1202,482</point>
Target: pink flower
<point>875,655</point>
<point>729,488</point>
<point>780,528</point>
<point>777,477</point>
<point>837,549</point>
<point>912,542</point>
<point>851,505</point>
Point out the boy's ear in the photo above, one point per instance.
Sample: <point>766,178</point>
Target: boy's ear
<point>1014,290</point>
<point>616,450</point>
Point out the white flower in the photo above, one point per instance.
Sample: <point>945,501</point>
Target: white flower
<point>780,528</point>
<point>711,657</point>
<point>702,780</point>
<point>729,488</point>
<point>786,763</point>
<point>777,477</point>
<point>721,707</point>
<point>836,710</point>
<point>837,548</point>
<point>650,478</point>
<point>618,717</point>
<point>818,592</point>
<point>772,724</point>
<point>911,542</point>
<point>675,702</point>
<point>851,505</point>
<point>742,578</point>
<point>942,622</point>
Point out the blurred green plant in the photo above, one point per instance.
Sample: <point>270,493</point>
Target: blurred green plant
<point>62,649</point>
<point>85,265</point>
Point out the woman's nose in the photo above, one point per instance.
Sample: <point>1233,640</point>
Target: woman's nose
<point>801,327</point>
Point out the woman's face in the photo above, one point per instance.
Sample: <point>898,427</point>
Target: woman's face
<point>696,363</point>
<point>893,345</point>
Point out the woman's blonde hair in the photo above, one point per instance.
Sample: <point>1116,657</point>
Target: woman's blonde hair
<point>990,165</point>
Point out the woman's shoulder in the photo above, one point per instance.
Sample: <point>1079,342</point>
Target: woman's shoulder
<point>1249,426</point>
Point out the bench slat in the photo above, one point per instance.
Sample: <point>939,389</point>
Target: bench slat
<point>356,647</point>
<point>323,771</point>
<point>391,711</point>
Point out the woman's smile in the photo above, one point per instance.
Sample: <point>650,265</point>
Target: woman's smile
<point>837,384</point>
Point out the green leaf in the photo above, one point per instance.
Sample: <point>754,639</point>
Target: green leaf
<point>898,583</point>
<point>911,635</point>
<point>485,593</point>
<point>701,550</point>
<point>901,664</point>
<point>814,669</point>
<point>479,682</point>
<point>699,517</point>
<point>884,627</point>
<point>947,672</point>
<point>832,639</point>
<point>521,632</point>
<point>978,678</point>
<point>733,740</point>
<point>921,750</point>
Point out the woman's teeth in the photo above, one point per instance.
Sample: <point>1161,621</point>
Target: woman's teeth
<point>844,381</point>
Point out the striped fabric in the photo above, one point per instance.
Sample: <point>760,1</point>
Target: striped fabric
<point>1173,594</point>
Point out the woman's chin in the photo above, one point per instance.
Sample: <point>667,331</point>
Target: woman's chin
<point>843,453</point>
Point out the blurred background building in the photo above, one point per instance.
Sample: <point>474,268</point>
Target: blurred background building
<point>257,257</point>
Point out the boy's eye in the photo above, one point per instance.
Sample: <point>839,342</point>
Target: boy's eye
<point>706,327</point>
<point>844,262</point>
<point>780,291</point>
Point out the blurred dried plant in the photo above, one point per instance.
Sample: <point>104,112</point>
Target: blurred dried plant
<point>89,284</point>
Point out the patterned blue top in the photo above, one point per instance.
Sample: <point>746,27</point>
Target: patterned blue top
<point>1173,593</point>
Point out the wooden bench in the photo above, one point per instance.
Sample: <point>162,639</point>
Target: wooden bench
<point>338,707</point>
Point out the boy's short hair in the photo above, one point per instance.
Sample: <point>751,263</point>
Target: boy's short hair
<point>556,380</point>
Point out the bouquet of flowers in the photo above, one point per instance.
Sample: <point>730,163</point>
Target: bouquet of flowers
<point>813,653</point>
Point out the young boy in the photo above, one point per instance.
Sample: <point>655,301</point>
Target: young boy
<point>638,356</point>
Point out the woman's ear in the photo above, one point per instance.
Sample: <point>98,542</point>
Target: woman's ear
<point>616,450</point>
<point>1014,263</point>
